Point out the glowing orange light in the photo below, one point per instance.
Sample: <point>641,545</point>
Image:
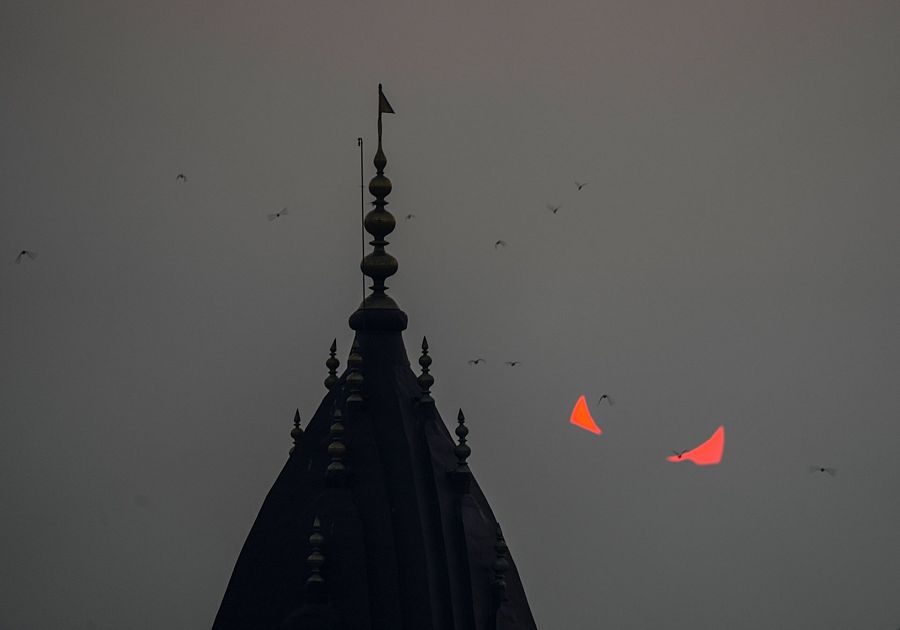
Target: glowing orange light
<point>581,417</point>
<point>707,454</point>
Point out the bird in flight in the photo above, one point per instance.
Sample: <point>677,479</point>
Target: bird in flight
<point>580,185</point>
<point>553,209</point>
<point>678,454</point>
<point>23,253</point>
<point>499,244</point>
<point>181,177</point>
<point>409,216</point>
<point>513,363</point>
<point>476,361</point>
<point>823,469</point>
<point>275,215</point>
<point>608,399</point>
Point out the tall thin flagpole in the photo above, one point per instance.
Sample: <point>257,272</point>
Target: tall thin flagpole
<point>362,220</point>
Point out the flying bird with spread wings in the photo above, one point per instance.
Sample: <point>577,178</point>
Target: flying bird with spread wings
<point>553,209</point>
<point>512,363</point>
<point>278,214</point>
<point>608,399</point>
<point>476,361</point>
<point>32,255</point>
<point>580,185</point>
<point>823,469</point>
<point>181,177</point>
<point>410,216</point>
<point>499,244</point>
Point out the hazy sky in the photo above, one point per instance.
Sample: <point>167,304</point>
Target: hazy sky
<point>733,260</point>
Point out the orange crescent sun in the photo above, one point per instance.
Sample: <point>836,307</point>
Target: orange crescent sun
<point>707,454</point>
<point>581,417</point>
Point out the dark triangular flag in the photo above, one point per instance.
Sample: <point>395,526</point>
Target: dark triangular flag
<point>383,106</point>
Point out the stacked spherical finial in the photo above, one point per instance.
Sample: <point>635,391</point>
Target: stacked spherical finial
<point>379,265</point>
<point>355,378</point>
<point>461,476</point>
<point>332,364</point>
<point>462,449</point>
<point>501,566</point>
<point>296,432</point>
<point>315,582</point>
<point>426,380</point>
<point>378,310</point>
<point>336,472</point>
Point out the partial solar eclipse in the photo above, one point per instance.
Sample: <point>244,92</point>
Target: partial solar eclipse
<point>581,417</point>
<point>707,454</point>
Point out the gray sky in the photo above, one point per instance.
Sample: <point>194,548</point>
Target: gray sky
<point>733,260</point>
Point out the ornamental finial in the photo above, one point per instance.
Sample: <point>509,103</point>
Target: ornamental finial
<point>378,311</point>
<point>355,377</point>
<point>461,476</point>
<point>462,449</point>
<point>332,363</point>
<point>315,583</point>
<point>296,432</point>
<point>336,472</point>
<point>426,380</point>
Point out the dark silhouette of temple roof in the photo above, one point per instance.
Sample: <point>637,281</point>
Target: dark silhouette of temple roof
<point>376,522</point>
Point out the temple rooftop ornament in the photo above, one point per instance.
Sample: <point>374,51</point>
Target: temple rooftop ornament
<point>402,537</point>
<point>378,310</point>
<point>296,432</point>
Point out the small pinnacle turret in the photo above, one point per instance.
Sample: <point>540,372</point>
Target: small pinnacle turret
<point>461,476</point>
<point>296,432</point>
<point>355,377</point>
<point>315,583</point>
<point>332,363</point>
<point>462,450</point>
<point>426,380</point>
<point>336,472</point>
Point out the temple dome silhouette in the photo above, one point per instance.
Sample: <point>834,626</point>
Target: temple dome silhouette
<point>376,522</point>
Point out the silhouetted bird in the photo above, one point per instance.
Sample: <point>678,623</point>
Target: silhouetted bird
<point>579,185</point>
<point>553,209</point>
<point>513,363</point>
<point>275,215</point>
<point>678,454</point>
<point>499,244</point>
<point>608,399</point>
<point>409,216</point>
<point>25,252</point>
<point>823,469</point>
<point>476,361</point>
<point>181,177</point>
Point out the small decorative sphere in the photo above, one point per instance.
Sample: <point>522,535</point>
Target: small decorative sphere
<point>315,560</point>
<point>380,186</point>
<point>426,381</point>
<point>354,380</point>
<point>379,223</point>
<point>337,450</point>
<point>379,265</point>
